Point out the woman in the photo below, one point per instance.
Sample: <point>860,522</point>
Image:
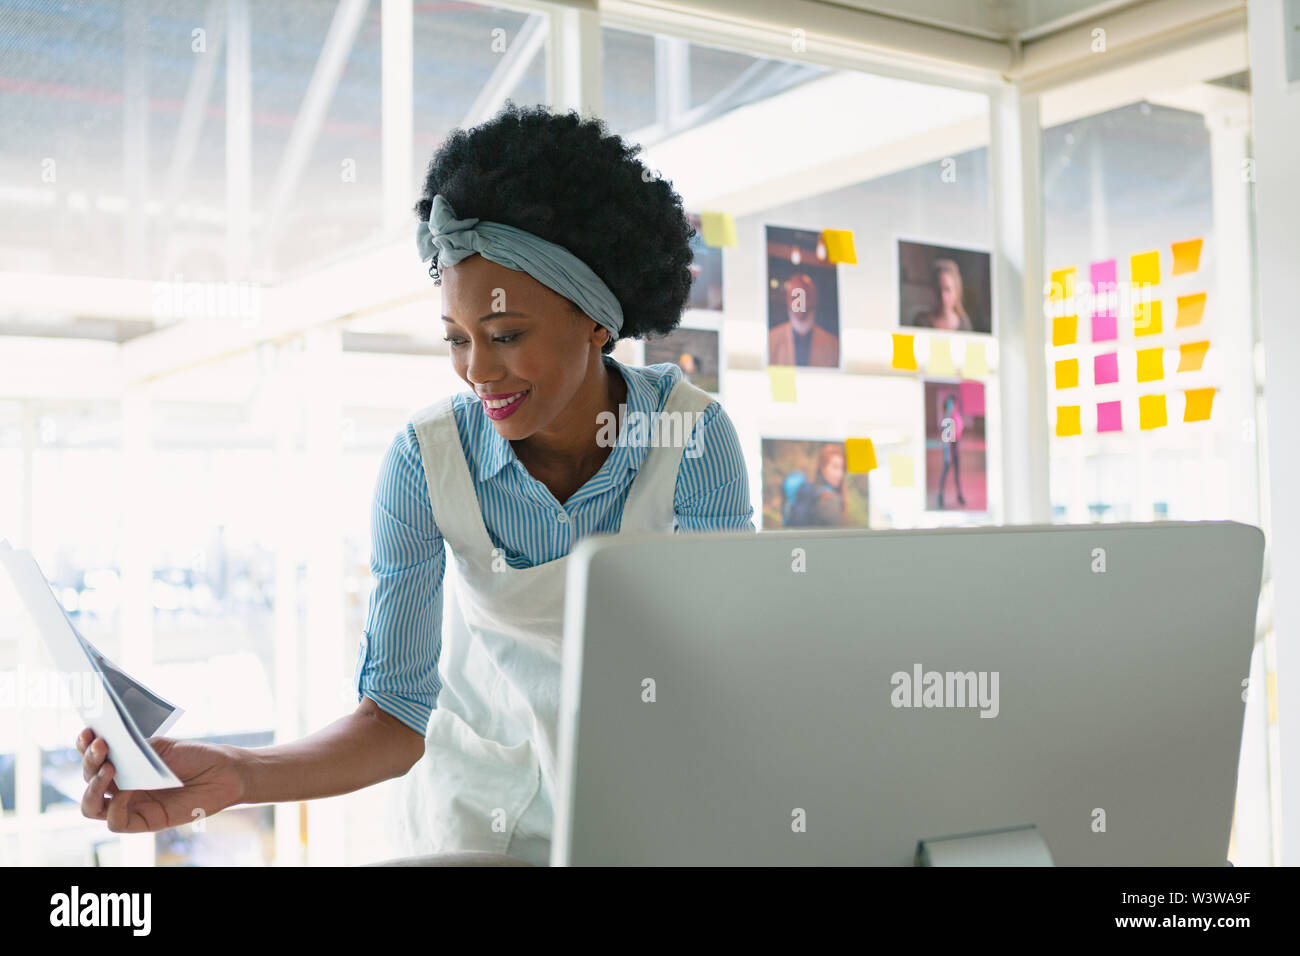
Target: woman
<point>950,429</point>
<point>820,502</point>
<point>550,240</point>
<point>948,312</point>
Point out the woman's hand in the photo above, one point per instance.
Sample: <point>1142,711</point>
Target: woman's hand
<point>208,771</point>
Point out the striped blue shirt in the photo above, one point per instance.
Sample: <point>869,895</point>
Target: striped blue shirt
<point>397,662</point>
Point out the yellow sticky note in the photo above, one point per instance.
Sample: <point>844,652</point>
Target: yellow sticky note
<point>1146,318</point>
<point>975,365</point>
<point>839,246</point>
<point>719,229</point>
<point>1187,256</point>
<point>1067,373</point>
<point>1199,401</point>
<point>904,352</point>
<point>940,357</point>
<point>900,471</point>
<point>781,378</point>
<point>860,454</point>
<point>1151,365</point>
<point>1191,355</point>
<point>1151,412</point>
<point>1062,285</point>
<point>1068,421</point>
<point>1144,268</point>
<point>1190,310</point>
<point>1065,329</point>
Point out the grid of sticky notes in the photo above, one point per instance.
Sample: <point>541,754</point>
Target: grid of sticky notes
<point>1153,356</point>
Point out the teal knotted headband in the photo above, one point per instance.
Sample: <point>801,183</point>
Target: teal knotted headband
<point>553,266</point>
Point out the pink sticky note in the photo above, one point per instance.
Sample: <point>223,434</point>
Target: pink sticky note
<point>1104,328</point>
<point>972,398</point>
<point>1105,368</point>
<point>1109,417</point>
<point>1102,273</point>
<point>1102,277</point>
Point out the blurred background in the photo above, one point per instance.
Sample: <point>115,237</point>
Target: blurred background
<point>213,319</point>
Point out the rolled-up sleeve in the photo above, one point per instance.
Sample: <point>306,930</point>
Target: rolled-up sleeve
<point>397,661</point>
<point>712,484</point>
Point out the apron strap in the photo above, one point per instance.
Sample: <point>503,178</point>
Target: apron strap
<point>649,505</point>
<point>451,490</point>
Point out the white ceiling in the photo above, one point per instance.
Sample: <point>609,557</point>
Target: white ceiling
<point>996,19</point>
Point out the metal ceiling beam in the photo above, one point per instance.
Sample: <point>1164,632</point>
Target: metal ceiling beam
<point>672,80</point>
<point>239,155</point>
<point>197,94</point>
<point>135,137</point>
<point>515,61</point>
<point>306,128</point>
<point>397,83</point>
<point>1127,36</point>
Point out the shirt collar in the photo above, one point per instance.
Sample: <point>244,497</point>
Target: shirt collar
<point>642,396</point>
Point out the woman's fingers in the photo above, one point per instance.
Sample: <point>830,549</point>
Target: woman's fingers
<point>92,801</point>
<point>84,740</point>
<point>93,757</point>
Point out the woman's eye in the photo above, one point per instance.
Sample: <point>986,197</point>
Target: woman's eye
<point>505,339</point>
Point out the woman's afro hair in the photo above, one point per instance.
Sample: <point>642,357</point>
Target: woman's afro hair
<point>571,182</point>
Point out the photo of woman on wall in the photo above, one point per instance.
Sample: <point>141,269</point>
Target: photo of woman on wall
<point>944,288</point>
<point>956,477</point>
<point>806,484</point>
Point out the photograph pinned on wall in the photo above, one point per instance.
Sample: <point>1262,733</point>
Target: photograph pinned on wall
<point>706,271</point>
<point>956,462</point>
<point>694,351</point>
<point>944,287</point>
<point>806,485</point>
<point>803,311</point>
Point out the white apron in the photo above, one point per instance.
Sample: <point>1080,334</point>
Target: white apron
<point>487,778</point>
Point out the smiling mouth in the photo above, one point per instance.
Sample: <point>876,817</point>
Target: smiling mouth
<point>503,402</point>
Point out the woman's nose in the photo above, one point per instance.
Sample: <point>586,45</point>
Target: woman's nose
<point>481,367</point>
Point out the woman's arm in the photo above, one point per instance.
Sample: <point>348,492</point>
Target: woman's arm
<point>356,751</point>
<point>396,677</point>
<point>712,484</point>
<point>364,748</point>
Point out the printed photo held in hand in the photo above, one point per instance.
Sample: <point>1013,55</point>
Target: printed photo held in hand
<point>209,774</point>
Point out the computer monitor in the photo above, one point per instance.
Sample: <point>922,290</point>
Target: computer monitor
<point>853,697</point>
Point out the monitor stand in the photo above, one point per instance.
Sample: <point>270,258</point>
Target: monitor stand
<point>1012,846</point>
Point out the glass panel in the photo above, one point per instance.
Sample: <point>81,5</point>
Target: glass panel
<point>1162,377</point>
<point>788,154</point>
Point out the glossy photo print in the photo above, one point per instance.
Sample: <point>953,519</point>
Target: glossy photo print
<point>944,288</point>
<point>806,485</point>
<point>694,351</point>
<point>956,463</point>
<point>803,311</point>
<point>706,271</point>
